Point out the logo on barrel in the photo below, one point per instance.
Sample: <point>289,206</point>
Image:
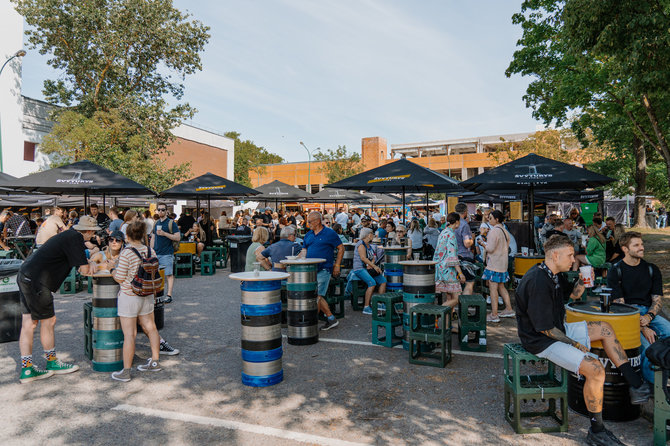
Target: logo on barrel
<point>391,178</point>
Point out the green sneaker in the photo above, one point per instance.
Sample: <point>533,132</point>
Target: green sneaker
<point>60,368</point>
<point>32,373</point>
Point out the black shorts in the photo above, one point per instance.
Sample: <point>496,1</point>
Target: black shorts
<point>468,277</point>
<point>36,299</point>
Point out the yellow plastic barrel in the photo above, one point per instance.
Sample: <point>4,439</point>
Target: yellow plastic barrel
<point>523,263</point>
<point>186,248</point>
<point>625,320</point>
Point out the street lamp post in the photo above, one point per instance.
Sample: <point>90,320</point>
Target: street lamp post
<point>19,53</point>
<point>309,168</point>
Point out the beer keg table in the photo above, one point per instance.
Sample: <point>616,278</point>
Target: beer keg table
<point>107,333</point>
<point>347,259</point>
<point>393,255</point>
<point>260,314</point>
<point>302,308</point>
<point>523,263</point>
<point>625,320</point>
<point>418,284</point>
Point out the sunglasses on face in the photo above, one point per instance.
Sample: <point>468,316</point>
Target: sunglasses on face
<point>114,240</point>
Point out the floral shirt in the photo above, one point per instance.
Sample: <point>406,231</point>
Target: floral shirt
<point>446,257</point>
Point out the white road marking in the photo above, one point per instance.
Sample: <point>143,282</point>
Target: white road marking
<point>370,344</point>
<point>235,425</point>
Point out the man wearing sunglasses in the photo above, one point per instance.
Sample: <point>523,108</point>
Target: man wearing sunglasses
<point>164,233</point>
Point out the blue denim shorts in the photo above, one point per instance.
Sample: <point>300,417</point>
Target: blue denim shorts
<point>322,280</point>
<point>365,276</point>
<point>167,263</point>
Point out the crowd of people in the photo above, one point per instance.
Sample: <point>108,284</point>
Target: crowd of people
<point>461,245</point>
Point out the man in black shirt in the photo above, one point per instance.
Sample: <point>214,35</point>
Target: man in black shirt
<point>558,228</point>
<point>640,284</point>
<point>185,221</point>
<point>39,276</point>
<point>540,314</point>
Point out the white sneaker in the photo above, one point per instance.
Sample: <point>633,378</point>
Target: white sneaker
<point>150,366</point>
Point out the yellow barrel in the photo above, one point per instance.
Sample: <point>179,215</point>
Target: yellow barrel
<point>624,319</point>
<point>523,263</point>
<point>186,248</point>
<point>626,323</point>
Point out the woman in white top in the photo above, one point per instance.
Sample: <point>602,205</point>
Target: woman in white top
<point>131,307</point>
<point>415,237</point>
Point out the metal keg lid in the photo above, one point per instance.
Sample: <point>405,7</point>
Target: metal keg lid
<point>394,247</point>
<point>593,307</point>
<point>417,262</point>
<point>250,276</point>
<point>534,256</point>
<point>302,261</point>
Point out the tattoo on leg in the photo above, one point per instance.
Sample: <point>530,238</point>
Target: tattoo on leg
<point>605,332</point>
<point>620,351</point>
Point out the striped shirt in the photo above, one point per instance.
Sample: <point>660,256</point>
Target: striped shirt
<point>125,271</point>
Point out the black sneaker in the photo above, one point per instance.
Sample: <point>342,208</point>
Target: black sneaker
<point>167,349</point>
<point>604,438</point>
<point>640,395</point>
<point>330,324</point>
<point>167,300</point>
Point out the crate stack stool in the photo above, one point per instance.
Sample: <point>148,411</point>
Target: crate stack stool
<point>335,297</point>
<point>72,283</point>
<point>542,387</point>
<point>88,330</point>
<point>207,263</point>
<point>439,336</point>
<point>387,314</point>
<point>358,288</point>
<point>661,410</point>
<point>183,265</point>
<point>474,323</point>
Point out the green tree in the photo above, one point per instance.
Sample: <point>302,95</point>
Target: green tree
<point>600,64</point>
<point>339,164</point>
<point>548,143</point>
<point>122,57</point>
<point>110,139</point>
<point>249,159</point>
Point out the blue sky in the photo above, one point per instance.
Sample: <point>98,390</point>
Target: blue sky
<point>330,72</point>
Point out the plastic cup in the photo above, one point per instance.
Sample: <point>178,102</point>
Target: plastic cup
<point>524,251</point>
<point>587,275</point>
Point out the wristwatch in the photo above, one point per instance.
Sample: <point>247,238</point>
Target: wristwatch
<point>651,315</point>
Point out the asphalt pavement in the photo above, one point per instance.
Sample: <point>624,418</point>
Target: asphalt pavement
<point>340,391</point>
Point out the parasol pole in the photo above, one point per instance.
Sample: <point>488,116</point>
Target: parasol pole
<point>103,203</point>
<point>209,208</point>
<point>85,200</point>
<point>531,216</point>
<point>426,207</point>
<point>403,206</point>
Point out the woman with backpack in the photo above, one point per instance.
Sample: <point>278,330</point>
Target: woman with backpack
<point>132,306</point>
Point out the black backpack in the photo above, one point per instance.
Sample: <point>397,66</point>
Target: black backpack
<point>658,354</point>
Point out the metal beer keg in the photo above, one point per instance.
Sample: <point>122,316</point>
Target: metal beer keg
<point>347,259</point>
<point>107,333</point>
<point>418,288</point>
<point>260,316</point>
<point>302,309</point>
<point>393,255</point>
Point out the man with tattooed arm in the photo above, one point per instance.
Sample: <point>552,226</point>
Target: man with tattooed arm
<point>640,284</point>
<point>541,325</point>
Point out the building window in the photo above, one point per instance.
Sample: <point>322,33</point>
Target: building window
<point>28,151</point>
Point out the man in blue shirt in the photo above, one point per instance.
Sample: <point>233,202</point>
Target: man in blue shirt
<point>272,256</point>
<point>320,243</point>
<point>164,233</point>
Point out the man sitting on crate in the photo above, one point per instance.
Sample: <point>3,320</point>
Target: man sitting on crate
<point>541,325</point>
<point>40,275</point>
<point>640,284</point>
